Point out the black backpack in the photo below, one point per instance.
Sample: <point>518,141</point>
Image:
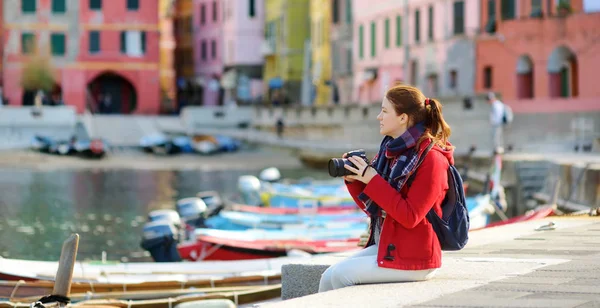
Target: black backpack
<point>452,229</point>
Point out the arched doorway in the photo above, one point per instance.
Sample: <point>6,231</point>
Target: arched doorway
<point>112,93</point>
<point>525,77</point>
<point>563,71</point>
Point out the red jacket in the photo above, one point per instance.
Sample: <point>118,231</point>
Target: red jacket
<point>405,226</point>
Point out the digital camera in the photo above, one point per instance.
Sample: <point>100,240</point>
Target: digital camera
<point>336,165</point>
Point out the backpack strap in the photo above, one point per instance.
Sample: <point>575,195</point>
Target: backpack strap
<point>411,177</point>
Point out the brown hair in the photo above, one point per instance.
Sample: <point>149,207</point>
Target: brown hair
<point>410,100</point>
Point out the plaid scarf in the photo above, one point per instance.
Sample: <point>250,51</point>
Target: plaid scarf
<point>395,162</point>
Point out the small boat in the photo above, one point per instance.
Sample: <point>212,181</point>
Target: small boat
<point>93,148</point>
<point>282,210</point>
<point>535,214</point>
<point>280,221</point>
<point>162,144</point>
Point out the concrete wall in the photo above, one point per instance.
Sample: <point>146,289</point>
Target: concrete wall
<point>215,117</point>
<point>18,125</point>
<point>535,132</point>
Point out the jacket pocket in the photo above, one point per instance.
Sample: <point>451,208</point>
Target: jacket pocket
<point>416,243</point>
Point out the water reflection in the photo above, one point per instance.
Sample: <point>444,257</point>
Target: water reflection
<point>107,208</point>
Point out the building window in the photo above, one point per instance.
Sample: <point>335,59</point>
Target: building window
<point>348,9</point>
<point>203,51</point>
<point>361,42</point>
<point>487,77</point>
<point>490,26</point>
<point>432,83</point>
<point>453,79</point>
<point>202,14</point>
<point>133,43</point>
<point>95,4</point>
<point>27,43</point>
<point>373,39</point>
<point>94,45</point>
<point>387,33</point>
<point>414,74</point>
<point>398,31</point>
<point>252,8</point>
<point>507,8</point>
<point>430,24</point>
<point>57,44</point>
<point>335,11</point>
<point>348,60</point>
<point>417,26</point>
<point>213,49</point>
<point>59,6</point>
<point>28,6</point>
<point>459,17</point>
<point>133,5</point>
<point>536,8</point>
<point>214,10</point>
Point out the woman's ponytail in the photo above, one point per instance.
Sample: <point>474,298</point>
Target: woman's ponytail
<point>436,127</point>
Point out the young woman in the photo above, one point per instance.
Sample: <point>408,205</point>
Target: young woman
<point>402,245</point>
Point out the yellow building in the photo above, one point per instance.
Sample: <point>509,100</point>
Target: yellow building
<point>167,49</point>
<point>320,25</point>
<point>287,27</point>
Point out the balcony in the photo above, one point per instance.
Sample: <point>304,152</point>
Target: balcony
<point>551,29</point>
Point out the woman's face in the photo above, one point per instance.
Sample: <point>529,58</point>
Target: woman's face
<point>390,123</point>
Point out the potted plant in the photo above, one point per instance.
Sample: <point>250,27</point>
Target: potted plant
<point>563,8</point>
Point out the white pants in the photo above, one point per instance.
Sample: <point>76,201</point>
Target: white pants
<point>361,268</point>
<point>497,136</point>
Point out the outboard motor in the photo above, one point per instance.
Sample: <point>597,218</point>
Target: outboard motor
<point>270,175</point>
<point>160,238</point>
<point>170,216</point>
<point>192,211</point>
<point>214,202</point>
<point>249,188</point>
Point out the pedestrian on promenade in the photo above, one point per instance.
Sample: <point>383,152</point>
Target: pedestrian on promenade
<point>402,245</point>
<point>499,117</point>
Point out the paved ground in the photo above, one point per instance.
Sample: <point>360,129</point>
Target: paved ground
<point>510,266</point>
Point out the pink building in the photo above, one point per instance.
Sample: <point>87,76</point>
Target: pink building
<point>429,44</point>
<point>243,34</point>
<point>208,48</point>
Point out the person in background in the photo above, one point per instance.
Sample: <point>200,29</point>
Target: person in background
<point>402,244</point>
<point>496,121</point>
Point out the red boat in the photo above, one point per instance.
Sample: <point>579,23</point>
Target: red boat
<point>284,211</point>
<point>214,248</point>
<point>539,213</point>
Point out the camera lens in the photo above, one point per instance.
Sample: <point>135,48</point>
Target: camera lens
<point>336,167</point>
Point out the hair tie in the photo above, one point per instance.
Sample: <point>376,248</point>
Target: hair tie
<point>427,101</point>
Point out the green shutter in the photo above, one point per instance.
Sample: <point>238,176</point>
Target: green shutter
<point>95,4</point>
<point>251,8</point>
<point>27,43</point>
<point>417,26</point>
<point>430,24</point>
<point>373,39</point>
<point>564,82</point>
<point>133,5</point>
<point>94,42</point>
<point>143,34</point>
<point>387,33</point>
<point>398,31</point>
<point>349,11</point>
<point>123,42</point>
<point>28,6</point>
<point>57,44</point>
<point>361,42</point>
<point>59,6</point>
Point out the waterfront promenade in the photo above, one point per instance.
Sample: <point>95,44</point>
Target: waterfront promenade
<point>519,265</point>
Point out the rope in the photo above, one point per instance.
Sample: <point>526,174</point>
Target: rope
<point>50,299</point>
<point>212,282</point>
<point>170,302</point>
<point>129,303</point>
<point>92,286</point>
<point>266,277</point>
<point>17,285</point>
<point>235,298</point>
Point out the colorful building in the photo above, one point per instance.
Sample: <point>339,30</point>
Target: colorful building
<point>100,51</point>
<point>541,56</point>
<point>208,48</point>
<point>341,51</point>
<point>320,26</point>
<point>429,44</point>
<point>167,54</point>
<point>187,90</point>
<point>287,28</point>
<point>243,35</point>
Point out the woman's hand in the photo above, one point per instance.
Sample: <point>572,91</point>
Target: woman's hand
<point>347,177</point>
<point>363,172</point>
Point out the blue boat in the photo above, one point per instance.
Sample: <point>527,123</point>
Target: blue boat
<point>233,220</point>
